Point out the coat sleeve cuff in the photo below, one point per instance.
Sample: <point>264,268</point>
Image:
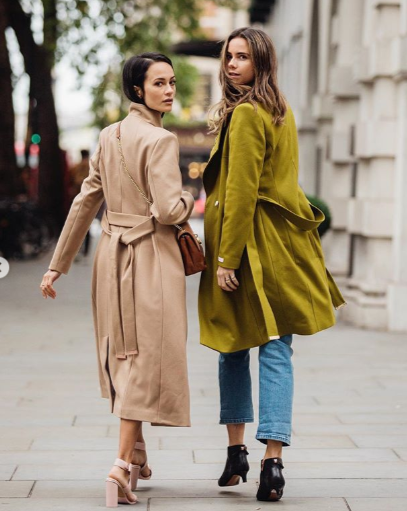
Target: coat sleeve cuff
<point>232,263</point>
<point>61,268</point>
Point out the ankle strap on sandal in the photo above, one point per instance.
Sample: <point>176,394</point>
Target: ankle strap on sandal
<point>122,464</point>
<point>140,446</point>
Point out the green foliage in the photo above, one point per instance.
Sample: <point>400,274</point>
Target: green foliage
<point>97,36</point>
<point>172,121</point>
<point>187,76</point>
<point>110,104</point>
<point>95,32</point>
<point>323,206</point>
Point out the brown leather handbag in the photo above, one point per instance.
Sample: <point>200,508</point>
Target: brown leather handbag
<point>191,249</point>
<point>190,245</point>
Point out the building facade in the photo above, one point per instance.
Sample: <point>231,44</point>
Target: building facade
<point>343,68</point>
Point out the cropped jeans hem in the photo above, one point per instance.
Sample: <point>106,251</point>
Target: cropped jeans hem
<point>276,388</point>
<point>285,440</point>
<point>236,421</point>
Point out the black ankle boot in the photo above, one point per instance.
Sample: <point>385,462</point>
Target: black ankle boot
<point>236,466</point>
<point>271,480</point>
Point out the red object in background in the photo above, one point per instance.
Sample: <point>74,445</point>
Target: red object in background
<point>33,159</point>
<point>19,148</point>
<point>200,204</point>
<point>34,150</point>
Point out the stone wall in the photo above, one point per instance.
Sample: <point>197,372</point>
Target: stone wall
<point>343,68</point>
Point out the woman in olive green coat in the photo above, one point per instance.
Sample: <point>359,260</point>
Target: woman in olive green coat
<point>266,276</point>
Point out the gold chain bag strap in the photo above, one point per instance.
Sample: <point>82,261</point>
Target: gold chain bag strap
<point>189,243</point>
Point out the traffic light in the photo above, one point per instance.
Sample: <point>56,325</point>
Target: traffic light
<point>35,138</point>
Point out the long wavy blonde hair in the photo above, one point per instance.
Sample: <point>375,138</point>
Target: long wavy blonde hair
<point>264,89</point>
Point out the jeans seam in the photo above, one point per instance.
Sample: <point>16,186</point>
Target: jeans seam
<point>236,421</point>
<point>273,436</point>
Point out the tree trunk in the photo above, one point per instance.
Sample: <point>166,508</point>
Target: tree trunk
<point>8,165</point>
<point>38,65</point>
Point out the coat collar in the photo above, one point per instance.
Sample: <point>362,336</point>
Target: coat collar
<point>147,114</point>
<point>218,145</point>
<point>212,167</point>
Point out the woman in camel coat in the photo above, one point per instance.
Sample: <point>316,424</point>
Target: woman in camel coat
<point>138,289</point>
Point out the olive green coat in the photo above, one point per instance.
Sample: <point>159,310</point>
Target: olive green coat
<point>259,222</point>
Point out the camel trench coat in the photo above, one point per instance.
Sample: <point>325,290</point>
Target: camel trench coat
<point>259,222</point>
<point>138,286</point>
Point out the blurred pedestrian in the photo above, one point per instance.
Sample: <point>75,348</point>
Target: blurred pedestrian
<point>138,288</point>
<point>77,174</point>
<point>266,277</point>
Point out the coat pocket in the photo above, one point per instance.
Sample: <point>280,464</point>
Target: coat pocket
<point>295,231</point>
<point>302,243</point>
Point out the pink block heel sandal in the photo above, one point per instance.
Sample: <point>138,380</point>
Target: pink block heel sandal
<point>136,470</point>
<point>115,492</point>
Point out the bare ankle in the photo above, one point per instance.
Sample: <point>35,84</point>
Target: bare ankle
<point>274,449</point>
<point>236,434</point>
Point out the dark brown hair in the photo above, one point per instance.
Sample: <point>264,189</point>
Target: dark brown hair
<point>264,89</point>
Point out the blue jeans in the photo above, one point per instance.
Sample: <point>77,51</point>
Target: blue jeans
<point>276,385</point>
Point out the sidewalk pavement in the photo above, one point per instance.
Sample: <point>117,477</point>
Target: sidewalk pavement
<point>58,440</point>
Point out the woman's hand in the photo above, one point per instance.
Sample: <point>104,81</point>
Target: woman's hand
<point>46,285</point>
<point>227,279</point>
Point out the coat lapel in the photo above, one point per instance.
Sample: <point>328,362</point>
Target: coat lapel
<point>211,169</point>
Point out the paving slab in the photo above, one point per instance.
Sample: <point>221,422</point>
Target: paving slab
<point>357,400</point>
<point>106,419</point>
<point>247,504</point>
<point>367,504</point>
<point>350,429</point>
<point>349,470</point>
<point>203,489</point>
<point>54,471</point>
<point>321,455</point>
<point>146,489</point>
<point>15,489</point>
<point>212,471</point>
<point>6,471</point>
<point>349,447</point>
<point>373,418</point>
<point>320,488</point>
<point>105,457</point>
<point>47,432</point>
<point>301,419</point>
<point>220,442</point>
<point>79,444</point>
<point>196,430</point>
<point>54,504</point>
<point>401,453</point>
<point>15,444</point>
<point>25,419</point>
<point>390,440</point>
<point>216,430</point>
<point>84,488</point>
<point>359,410</point>
<point>321,442</point>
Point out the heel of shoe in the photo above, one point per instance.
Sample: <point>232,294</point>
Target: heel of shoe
<point>236,466</point>
<point>134,476</point>
<point>112,494</point>
<point>272,481</point>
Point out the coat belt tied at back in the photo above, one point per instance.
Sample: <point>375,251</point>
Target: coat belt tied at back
<point>122,315</point>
